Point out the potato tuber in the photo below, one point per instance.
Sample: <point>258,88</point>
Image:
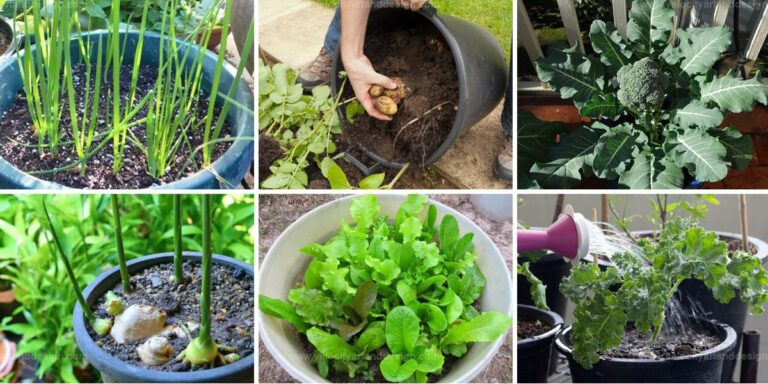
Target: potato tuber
<point>386,100</point>
<point>386,105</point>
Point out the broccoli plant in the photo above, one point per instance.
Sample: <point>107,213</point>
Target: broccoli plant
<point>637,289</point>
<point>655,102</point>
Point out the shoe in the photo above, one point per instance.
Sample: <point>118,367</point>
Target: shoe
<point>503,167</point>
<point>318,73</point>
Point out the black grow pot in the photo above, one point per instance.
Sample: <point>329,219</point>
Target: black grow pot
<point>226,172</point>
<point>534,354</point>
<point>480,63</point>
<point>116,370</point>
<point>703,367</point>
<point>551,270</point>
<point>695,297</point>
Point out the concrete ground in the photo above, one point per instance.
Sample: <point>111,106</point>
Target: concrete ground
<point>292,31</point>
<point>277,212</point>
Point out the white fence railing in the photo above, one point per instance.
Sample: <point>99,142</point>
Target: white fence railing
<point>528,40</point>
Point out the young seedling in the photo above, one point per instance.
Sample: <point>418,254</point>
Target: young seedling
<point>101,326</point>
<point>178,273</point>
<point>202,350</point>
<point>119,244</point>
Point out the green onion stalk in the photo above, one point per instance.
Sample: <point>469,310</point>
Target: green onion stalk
<point>202,350</point>
<point>119,244</point>
<point>100,325</point>
<point>178,273</point>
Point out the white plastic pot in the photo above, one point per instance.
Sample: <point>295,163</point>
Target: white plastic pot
<point>285,264</point>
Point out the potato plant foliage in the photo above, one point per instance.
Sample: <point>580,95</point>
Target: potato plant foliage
<point>638,288</point>
<point>656,105</point>
<point>408,285</point>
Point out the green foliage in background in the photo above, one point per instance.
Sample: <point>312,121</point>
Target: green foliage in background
<point>29,263</point>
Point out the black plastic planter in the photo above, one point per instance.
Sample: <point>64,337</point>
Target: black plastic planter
<point>116,370</point>
<point>551,270</point>
<point>226,172</point>
<point>704,367</point>
<point>6,28</point>
<point>534,354</point>
<point>693,293</point>
<point>480,64</point>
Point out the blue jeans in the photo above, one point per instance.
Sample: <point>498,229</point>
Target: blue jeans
<point>334,30</point>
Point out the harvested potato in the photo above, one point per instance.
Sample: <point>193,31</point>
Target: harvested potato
<point>386,105</point>
<point>399,93</point>
<point>376,90</point>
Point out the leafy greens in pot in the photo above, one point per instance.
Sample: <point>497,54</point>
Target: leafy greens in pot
<point>408,286</point>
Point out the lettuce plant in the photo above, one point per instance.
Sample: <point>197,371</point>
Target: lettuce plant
<point>655,102</point>
<point>408,285</point>
<point>637,289</point>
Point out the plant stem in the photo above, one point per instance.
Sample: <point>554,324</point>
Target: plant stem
<point>119,243</point>
<point>205,297</point>
<point>179,276</point>
<point>86,309</point>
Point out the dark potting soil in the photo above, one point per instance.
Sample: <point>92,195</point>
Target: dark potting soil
<point>336,376</point>
<point>636,345</point>
<point>735,245</point>
<point>232,322</point>
<point>528,328</point>
<point>422,58</point>
<point>269,152</point>
<point>5,42</point>
<point>18,141</point>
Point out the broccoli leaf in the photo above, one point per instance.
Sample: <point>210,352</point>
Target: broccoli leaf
<point>615,150</point>
<point>650,23</point>
<point>700,153</point>
<point>733,94</point>
<point>738,145</point>
<point>702,47</point>
<point>607,42</point>
<point>572,74</point>
<point>574,152</point>
<point>697,114</point>
<point>651,170</point>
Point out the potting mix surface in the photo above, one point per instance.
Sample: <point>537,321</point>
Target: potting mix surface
<point>421,57</point>
<point>18,141</point>
<point>232,308</point>
<point>527,328</point>
<point>636,345</point>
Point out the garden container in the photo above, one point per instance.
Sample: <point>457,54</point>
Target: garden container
<point>227,171</point>
<point>734,313</point>
<point>534,354</point>
<point>480,63</point>
<point>116,370</point>
<point>703,367</point>
<point>6,29</point>
<point>284,265</point>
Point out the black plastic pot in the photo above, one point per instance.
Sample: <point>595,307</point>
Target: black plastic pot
<point>6,28</point>
<point>734,313</point>
<point>534,354</point>
<point>116,370</point>
<point>704,367</point>
<point>480,63</point>
<point>551,270</point>
<point>226,172</point>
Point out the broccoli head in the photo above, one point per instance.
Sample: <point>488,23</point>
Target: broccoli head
<point>642,85</point>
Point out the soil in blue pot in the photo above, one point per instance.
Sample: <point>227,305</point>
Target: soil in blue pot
<point>232,305</point>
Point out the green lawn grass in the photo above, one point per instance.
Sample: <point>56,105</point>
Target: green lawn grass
<point>496,15</point>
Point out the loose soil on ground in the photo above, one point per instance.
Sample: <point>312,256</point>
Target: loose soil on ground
<point>636,345</point>
<point>421,57</point>
<point>528,328</point>
<point>18,142</point>
<point>231,310</point>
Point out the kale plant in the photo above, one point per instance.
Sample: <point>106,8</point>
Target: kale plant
<point>655,102</point>
<point>407,285</point>
<point>637,289</point>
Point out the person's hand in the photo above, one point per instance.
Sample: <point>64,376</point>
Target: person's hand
<point>413,5</point>
<point>362,76</point>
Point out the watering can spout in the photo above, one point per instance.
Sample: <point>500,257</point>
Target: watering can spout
<point>568,236</point>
